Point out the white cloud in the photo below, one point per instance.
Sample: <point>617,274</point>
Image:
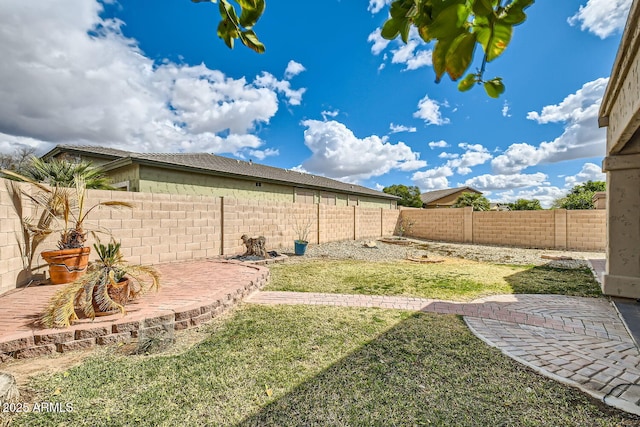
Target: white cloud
<point>574,106</point>
<point>412,58</point>
<point>474,155</point>
<point>602,17</point>
<point>338,153</point>
<point>438,144</point>
<point>262,154</point>
<point>61,84</point>
<point>328,113</point>
<point>445,155</point>
<point>412,54</point>
<point>293,69</point>
<point>379,43</point>
<point>267,80</point>
<point>429,111</point>
<point>432,179</point>
<point>506,109</point>
<point>376,6</point>
<point>401,128</point>
<point>581,137</point>
<point>546,194</point>
<point>589,172</point>
<point>506,182</point>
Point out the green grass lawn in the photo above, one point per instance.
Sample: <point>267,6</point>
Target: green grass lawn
<point>330,366</point>
<point>454,279</point>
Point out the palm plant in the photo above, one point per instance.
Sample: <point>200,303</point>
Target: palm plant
<point>59,202</point>
<point>64,210</point>
<point>95,292</point>
<point>63,173</point>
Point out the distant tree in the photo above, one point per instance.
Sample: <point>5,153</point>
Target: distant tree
<point>18,161</point>
<point>410,196</point>
<point>525,205</point>
<point>475,200</point>
<point>580,196</point>
<point>456,27</point>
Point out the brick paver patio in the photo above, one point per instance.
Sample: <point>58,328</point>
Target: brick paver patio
<point>191,293</point>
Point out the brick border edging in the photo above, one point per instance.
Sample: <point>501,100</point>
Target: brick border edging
<point>45,342</point>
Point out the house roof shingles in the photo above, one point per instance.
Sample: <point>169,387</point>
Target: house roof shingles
<point>213,164</point>
<point>431,196</point>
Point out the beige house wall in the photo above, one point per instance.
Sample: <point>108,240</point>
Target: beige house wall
<point>447,201</point>
<point>620,113</point>
<point>161,180</point>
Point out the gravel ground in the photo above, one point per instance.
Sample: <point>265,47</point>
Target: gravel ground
<point>418,248</point>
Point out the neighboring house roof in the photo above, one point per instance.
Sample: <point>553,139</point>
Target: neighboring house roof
<point>432,196</point>
<point>217,165</point>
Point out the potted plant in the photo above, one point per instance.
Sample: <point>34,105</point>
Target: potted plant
<point>109,284</point>
<point>67,207</point>
<point>302,240</point>
<point>70,260</point>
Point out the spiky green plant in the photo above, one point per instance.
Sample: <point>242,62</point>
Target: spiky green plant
<point>63,173</point>
<point>64,205</point>
<point>93,287</point>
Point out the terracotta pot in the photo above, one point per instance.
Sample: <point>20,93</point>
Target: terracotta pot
<point>66,265</point>
<point>118,293</point>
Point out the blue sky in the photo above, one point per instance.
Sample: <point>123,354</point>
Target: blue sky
<point>328,97</point>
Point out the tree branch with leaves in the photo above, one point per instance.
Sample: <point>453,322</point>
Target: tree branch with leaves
<point>233,26</point>
<point>456,27</point>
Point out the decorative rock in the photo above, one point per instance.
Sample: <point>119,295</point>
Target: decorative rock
<point>370,244</point>
<point>8,387</point>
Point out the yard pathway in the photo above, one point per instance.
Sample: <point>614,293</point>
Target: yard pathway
<point>578,341</point>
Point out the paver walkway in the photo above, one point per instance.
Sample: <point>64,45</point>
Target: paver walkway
<point>578,341</point>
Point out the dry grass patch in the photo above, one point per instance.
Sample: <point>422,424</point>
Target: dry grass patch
<point>454,279</point>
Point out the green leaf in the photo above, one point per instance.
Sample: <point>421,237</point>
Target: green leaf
<point>468,82</point>
<point>391,28</point>
<point>514,12</point>
<point>423,31</point>
<point>482,7</point>
<point>400,9</point>
<point>250,15</point>
<point>494,87</point>
<point>500,40</point>
<point>447,24</point>
<point>460,55</point>
<point>250,40</point>
<point>227,11</point>
<point>226,32</point>
<point>404,30</point>
<point>439,57</point>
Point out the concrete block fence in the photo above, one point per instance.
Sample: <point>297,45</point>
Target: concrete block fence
<point>583,230</point>
<point>169,228</point>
